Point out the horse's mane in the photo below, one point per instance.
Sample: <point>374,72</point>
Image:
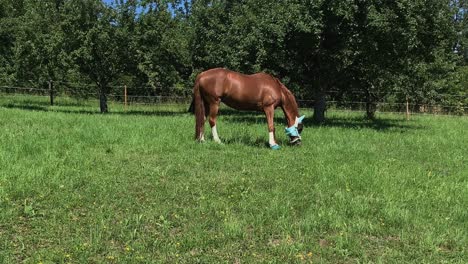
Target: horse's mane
<point>290,97</point>
<point>286,91</point>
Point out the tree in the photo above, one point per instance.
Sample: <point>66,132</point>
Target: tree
<point>38,49</point>
<point>460,20</point>
<point>381,49</point>
<point>393,50</point>
<point>162,39</point>
<point>377,45</point>
<point>428,58</point>
<point>96,45</point>
<point>10,13</point>
<point>318,48</point>
<point>209,21</point>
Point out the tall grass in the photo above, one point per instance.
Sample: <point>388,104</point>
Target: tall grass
<point>133,187</point>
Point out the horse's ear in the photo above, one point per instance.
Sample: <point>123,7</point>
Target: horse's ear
<point>301,118</point>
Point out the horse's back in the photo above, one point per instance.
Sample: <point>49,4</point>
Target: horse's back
<point>240,91</point>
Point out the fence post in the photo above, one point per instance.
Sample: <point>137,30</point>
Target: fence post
<point>407,108</point>
<point>51,93</point>
<point>125,97</point>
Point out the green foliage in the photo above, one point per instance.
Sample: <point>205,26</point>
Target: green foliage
<point>9,13</point>
<point>208,45</point>
<point>379,48</point>
<point>162,50</point>
<point>460,8</point>
<point>95,45</point>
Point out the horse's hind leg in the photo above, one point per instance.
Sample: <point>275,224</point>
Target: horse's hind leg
<point>214,107</point>
<point>207,109</point>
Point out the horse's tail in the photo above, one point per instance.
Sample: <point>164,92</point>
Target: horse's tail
<point>199,108</point>
<point>191,109</point>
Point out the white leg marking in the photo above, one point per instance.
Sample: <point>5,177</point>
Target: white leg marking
<point>215,134</point>
<point>272,139</point>
<point>202,136</point>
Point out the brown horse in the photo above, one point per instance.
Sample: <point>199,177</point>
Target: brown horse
<point>257,92</point>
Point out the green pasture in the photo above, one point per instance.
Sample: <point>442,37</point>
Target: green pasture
<point>132,186</point>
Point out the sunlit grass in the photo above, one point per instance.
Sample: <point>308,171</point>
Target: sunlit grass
<point>132,186</point>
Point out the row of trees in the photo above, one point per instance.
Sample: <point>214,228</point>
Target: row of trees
<point>360,49</point>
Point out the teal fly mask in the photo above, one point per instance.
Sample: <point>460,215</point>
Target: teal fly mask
<point>295,131</point>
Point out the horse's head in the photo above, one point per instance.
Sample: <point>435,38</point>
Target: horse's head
<point>294,132</point>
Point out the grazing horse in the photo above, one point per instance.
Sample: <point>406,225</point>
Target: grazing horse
<point>257,92</point>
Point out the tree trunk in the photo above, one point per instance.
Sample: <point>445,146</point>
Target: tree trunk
<point>51,93</point>
<point>103,100</point>
<point>320,106</point>
<point>371,107</point>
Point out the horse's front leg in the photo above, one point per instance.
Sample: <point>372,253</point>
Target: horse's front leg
<point>213,114</point>
<point>270,114</point>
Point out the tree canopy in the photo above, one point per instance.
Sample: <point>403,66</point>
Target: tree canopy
<point>365,50</point>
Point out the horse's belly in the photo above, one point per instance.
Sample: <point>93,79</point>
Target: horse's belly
<point>242,105</point>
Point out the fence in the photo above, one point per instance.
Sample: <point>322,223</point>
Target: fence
<point>129,96</point>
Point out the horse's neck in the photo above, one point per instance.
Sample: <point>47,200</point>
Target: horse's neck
<point>289,107</point>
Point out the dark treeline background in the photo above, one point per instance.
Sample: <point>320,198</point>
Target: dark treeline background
<point>345,50</point>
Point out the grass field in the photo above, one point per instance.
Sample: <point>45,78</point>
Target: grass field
<point>133,187</point>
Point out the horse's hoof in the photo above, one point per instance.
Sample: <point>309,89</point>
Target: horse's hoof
<point>296,143</point>
<point>275,147</point>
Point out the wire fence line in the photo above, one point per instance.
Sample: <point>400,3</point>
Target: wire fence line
<point>451,104</point>
<point>77,88</point>
<point>64,90</point>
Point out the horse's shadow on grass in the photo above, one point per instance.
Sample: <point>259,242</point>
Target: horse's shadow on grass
<point>45,108</point>
<point>380,124</point>
<point>255,142</point>
<point>357,123</point>
<point>29,107</point>
<point>383,124</point>
<point>26,104</point>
